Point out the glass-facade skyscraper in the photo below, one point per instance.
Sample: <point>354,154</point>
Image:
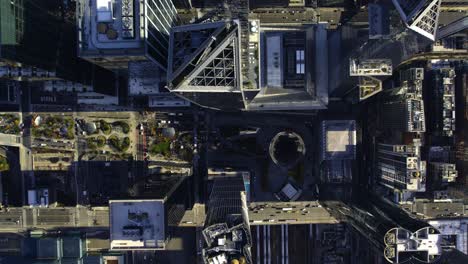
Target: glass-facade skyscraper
<point>24,24</point>
<point>227,237</point>
<point>113,33</point>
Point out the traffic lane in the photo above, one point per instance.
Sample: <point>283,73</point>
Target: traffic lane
<point>40,142</point>
<point>258,243</point>
<point>271,244</point>
<point>276,243</point>
<point>254,233</point>
<point>260,119</point>
<point>25,98</point>
<point>26,130</point>
<point>297,240</point>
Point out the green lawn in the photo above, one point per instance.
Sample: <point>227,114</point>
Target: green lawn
<point>100,141</point>
<point>120,145</point>
<point>162,148</point>
<point>106,128</point>
<point>125,127</point>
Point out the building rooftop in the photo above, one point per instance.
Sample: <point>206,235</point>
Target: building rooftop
<point>137,224</point>
<point>147,79</point>
<point>65,86</point>
<point>338,139</point>
<point>226,232</point>
<point>197,50</point>
<point>407,101</point>
<point>109,25</point>
<point>421,16</point>
<point>205,64</point>
<point>433,210</point>
<point>292,62</point>
<point>401,245</point>
<point>92,98</point>
<point>73,247</point>
<point>443,172</point>
<point>368,86</point>
<point>144,78</point>
<point>167,100</point>
<point>227,244</point>
<point>370,67</point>
<point>49,248</point>
<point>454,227</point>
<point>401,167</point>
<point>416,118</point>
<point>445,105</point>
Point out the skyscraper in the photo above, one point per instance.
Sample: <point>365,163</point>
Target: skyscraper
<point>421,16</point>
<point>285,67</point>
<point>226,232</point>
<point>406,115</point>
<point>31,38</point>
<point>369,71</point>
<point>204,64</point>
<point>399,238</point>
<point>112,33</point>
<point>148,223</point>
<point>442,172</point>
<point>443,108</point>
<point>399,167</point>
<point>403,107</point>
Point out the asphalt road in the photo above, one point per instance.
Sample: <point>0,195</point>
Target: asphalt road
<point>21,218</point>
<point>49,143</point>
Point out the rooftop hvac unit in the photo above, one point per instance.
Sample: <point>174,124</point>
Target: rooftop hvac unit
<point>419,75</point>
<point>127,8</point>
<point>127,27</point>
<point>412,163</point>
<point>417,116</point>
<point>104,11</point>
<point>32,197</point>
<point>221,241</point>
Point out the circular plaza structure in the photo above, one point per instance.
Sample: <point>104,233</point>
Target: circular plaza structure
<point>287,149</point>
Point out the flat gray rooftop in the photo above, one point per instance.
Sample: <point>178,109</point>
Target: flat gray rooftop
<point>114,27</point>
<point>137,224</point>
<point>144,78</point>
<point>431,210</point>
<point>338,139</point>
<point>294,65</point>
